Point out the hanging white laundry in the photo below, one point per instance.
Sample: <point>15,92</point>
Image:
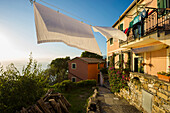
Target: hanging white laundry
<point>52,26</point>
<point>110,32</point>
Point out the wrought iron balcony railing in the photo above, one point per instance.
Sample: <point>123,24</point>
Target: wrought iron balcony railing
<point>156,22</point>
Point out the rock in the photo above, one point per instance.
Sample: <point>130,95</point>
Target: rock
<point>162,95</point>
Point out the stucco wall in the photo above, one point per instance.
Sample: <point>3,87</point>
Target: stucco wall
<point>112,47</point>
<point>93,71</point>
<point>159,61</point>
<point>80,71</point>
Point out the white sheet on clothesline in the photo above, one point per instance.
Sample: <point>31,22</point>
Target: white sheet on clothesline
<point>52,26</point>
<point>109,32</point>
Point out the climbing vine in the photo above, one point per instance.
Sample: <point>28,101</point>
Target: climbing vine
<point>118,77</point>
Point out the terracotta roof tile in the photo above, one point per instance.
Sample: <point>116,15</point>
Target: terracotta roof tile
<point>91,60</point>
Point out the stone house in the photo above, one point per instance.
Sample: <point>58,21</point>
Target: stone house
<point>82,68</point>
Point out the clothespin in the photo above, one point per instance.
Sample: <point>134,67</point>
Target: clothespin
<point>31,1</point>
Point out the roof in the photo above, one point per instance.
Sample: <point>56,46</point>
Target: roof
<point>126,11</point>
<point>90,60</point>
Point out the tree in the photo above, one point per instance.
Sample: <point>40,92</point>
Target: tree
<point>21,90</point>
<point>91,55</point>
<point>58,68</point>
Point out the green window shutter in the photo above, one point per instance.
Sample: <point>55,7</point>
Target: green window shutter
<point>167,4</point>
<point>98,65</point>
<point>161,3</point>
<point>121,27</point>
<point>123,57</point>
<point>113,60</point>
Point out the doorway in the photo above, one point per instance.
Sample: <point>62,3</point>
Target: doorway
<point>99,78</point>
<point>136,64</point>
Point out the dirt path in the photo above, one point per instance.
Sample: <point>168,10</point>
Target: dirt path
<point>109,103</point>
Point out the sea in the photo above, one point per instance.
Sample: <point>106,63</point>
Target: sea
<point>19,64</point>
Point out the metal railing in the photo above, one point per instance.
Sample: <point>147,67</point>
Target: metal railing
<point>157,21</point>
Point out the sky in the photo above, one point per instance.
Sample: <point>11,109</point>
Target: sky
<point>18,34</point>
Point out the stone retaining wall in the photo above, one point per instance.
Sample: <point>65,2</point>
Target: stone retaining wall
<point>93,106</point>
<point>158,89</point>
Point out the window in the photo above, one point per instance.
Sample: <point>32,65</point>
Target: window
<point>73,65</point>
<point>121,59</point>
<point>73,79</point>
<point>111,41</point>
<point>109,61</point>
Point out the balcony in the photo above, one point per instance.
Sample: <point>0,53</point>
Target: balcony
<point>157,22</point>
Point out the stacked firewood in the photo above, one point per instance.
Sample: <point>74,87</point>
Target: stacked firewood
<point>50,103</point>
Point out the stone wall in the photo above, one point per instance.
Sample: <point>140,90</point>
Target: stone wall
<point>93,105</point>
<point>158,89</point>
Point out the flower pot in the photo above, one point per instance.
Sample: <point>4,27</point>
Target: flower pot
<point>163,77</point>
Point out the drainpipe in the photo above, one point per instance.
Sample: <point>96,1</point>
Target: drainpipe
<point>136,7</point>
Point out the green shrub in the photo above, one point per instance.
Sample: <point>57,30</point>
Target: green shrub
<point>66,85</point>
<point>118,79</point>
<point>104,70</point>
<point>85,83</point>
<point>17,91</point>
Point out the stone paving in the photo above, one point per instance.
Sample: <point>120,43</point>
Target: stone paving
<point>110,103</point>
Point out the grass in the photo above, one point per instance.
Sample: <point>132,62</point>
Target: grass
<point>78,99</point>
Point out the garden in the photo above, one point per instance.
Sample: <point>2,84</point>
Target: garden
<point>19,90</point>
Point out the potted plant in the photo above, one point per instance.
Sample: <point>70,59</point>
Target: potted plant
<point>143,64</point>
<point>164,76</point>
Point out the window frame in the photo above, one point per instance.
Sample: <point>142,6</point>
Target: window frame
<point>72,65</point>
<point>73,78</point>
<point>111,41</point>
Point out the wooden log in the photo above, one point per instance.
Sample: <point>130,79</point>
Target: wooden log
<point>37,109</point>
<point>23,110</point>
<point>63,107</point>
<point>63,101</point>
<point>46,96</point>
<point>55,105</point>
<point>30,111</point>
<point>55,95</point>
<point>48,105</point>
<point>33,109</point>
<point>52,111</point>
<point>43,106</point>
<point>66,102</point>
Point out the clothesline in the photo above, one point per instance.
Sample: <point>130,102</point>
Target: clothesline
<point>68,12</point>
<point>53,26</point>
